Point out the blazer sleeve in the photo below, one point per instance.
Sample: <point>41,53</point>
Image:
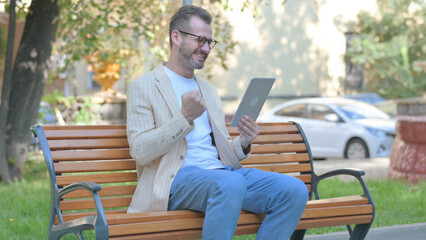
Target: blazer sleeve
<point>151,128</point>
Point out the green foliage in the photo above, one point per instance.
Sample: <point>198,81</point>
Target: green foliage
<point>133,33</point>
<point>392,46</point>
<point>11,161</point>
<point>396,202</point>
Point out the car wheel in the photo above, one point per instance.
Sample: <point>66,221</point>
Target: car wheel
<point>356,149</point>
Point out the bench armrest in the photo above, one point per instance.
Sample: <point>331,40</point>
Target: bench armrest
<point>101,226</point>
<point>357,173</point>
<point>346,171</point>
<point>89,186</point>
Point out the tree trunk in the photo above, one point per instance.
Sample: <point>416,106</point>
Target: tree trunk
<point>4,108</point>
<point>29,75</point>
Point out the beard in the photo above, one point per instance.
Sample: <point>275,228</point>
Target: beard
<point>194,59</point>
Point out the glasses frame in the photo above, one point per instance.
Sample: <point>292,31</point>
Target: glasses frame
<point>201,39</point>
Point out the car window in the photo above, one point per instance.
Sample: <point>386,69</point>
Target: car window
<point>361,111</point>
<point>319,111</point>
<point>298,110</point>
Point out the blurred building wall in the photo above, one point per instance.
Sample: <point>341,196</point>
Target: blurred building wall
<point>301,43</point>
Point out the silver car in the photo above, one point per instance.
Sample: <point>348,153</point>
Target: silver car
<point>337,127</point>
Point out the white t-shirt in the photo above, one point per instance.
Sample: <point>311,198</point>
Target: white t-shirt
<point>201,152</point>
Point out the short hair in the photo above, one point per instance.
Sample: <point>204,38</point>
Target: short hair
<point>180,20</point>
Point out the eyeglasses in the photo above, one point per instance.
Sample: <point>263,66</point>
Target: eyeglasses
<point>202,40</point>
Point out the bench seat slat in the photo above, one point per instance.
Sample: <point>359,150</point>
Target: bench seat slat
<point>152,226</point>
<point>185,234</point>
<point>98,166</point>
<point>336,221</point>
<point>96,154</point>
<point>97,178</point>
<point>338,201</point>
<point>178,224</point>
<point>337,211</point>
<point>248,229</point>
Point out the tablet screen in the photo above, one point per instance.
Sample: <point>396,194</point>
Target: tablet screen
<point>253,99</point>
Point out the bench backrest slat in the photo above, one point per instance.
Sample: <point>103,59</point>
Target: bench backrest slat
<point>278,148</point>
<point>101,143</point>
<point>106,191</point>
<point>98,166</point>
<point>81,204</point>
<point>117,177</point>
<point>95,154</point>
<point>85,134</point>
<point>100,154</point>
<point>276,158</point>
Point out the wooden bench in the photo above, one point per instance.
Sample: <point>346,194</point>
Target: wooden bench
<point>93,178</point>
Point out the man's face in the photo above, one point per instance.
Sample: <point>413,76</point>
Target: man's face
<point>191,53</point>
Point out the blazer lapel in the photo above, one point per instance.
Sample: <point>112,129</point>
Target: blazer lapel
<point>165,88</point>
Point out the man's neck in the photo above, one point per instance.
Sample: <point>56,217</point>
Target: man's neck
<point>180,70</point>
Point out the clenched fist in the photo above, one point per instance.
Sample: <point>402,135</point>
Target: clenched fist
<point>193,105</point>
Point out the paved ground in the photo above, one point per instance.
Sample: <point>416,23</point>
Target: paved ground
<point>375,168</point>
<point>415,231</point>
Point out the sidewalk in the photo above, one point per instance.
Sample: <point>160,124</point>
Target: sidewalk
<point>416,231</point>
<point>375,168</point>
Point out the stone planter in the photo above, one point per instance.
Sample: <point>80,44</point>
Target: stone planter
<point>112,107</point>
<point>408,155</point>
<point>412,107</point>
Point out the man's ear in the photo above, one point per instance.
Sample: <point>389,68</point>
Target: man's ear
<point>176,38</point>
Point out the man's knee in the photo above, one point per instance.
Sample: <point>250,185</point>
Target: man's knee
<point>300,193</point>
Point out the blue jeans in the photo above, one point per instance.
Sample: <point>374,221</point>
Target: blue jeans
<point>223,193</point>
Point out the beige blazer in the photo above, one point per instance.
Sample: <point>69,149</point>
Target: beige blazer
<point>156,131</point>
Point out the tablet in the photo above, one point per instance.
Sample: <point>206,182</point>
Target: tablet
<point>253,99</point>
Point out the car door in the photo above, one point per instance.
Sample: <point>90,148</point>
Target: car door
<point>296,113</point>
<point>326,137</point>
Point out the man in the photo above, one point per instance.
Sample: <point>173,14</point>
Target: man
<point>185,157</point>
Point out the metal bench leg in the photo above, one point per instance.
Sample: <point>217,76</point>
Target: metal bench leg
<point>360,231</point>
<point>80,235</point>
<point>298,235</point>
